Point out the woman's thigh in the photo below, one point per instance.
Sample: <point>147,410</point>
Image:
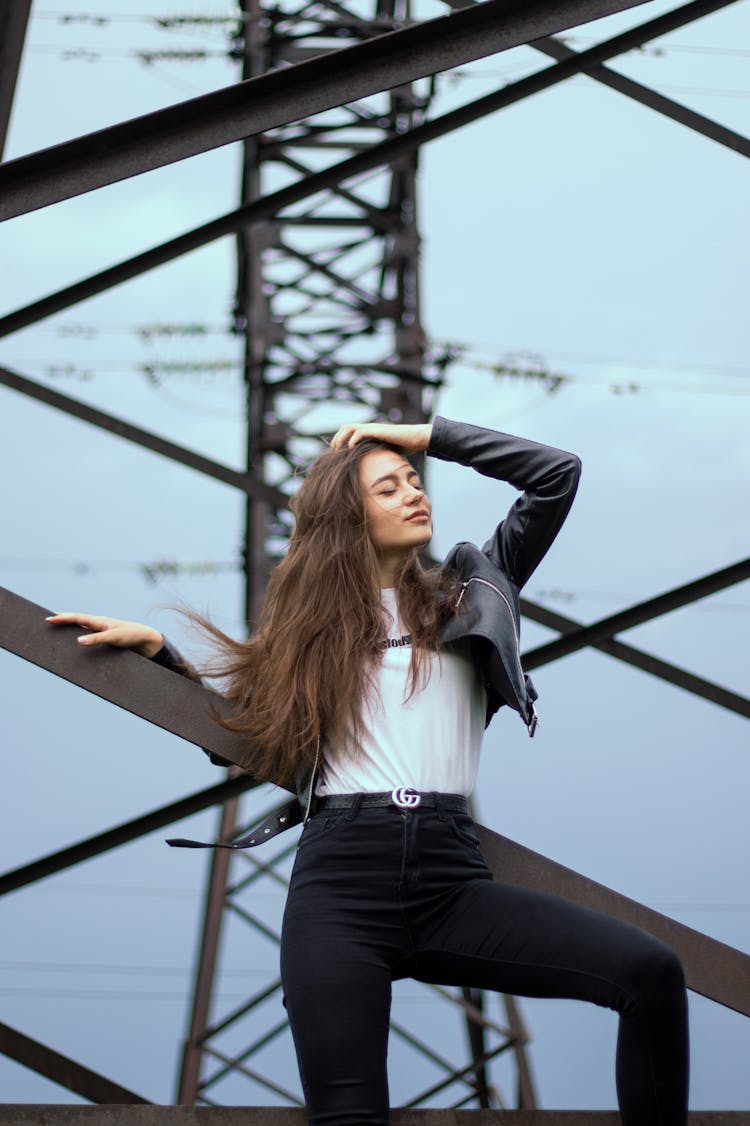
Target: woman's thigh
<point>341,937</point>
<point>514,940</point>
<point>337,993</point>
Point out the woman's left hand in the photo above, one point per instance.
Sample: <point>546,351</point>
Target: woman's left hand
<point>113,631</point>
<point>411,438</point>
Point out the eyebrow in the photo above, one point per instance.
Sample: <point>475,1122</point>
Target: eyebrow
<point>394,476</point>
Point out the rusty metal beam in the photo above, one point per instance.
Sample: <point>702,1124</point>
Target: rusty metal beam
<point>673,674</point>
<point>637,615</point>
<point>650,98</point>
<point>63,1070</point>
<point>189,1079</point>
<point>184,707</point>
<point>122,834</point>
<point>280,97</point>
<point>387,152</point>
<point>247,482</point>
<point>14,18</point>
<point>712,969</point>
<point>526,1093</point>
<point>698,122</point>
<point>131,682</point>
<point>45,1115</point>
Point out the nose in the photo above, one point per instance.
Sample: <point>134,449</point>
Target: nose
<point>416,494</point>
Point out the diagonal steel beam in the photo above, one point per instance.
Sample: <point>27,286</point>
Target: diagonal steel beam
<point>134,683</point>
<point>185,708</point>
<point>713,969</point>
<point>280,97</point>
<point>213,1114</point>
<point>673,674</point>
<point>124,833</point>
<point>650,98</point>
<point>560,51</point>
<point>14,18</point>
<point>388,151</point>
<point>247,482</point>
<point>606,628</point>
<point>63,1070</point>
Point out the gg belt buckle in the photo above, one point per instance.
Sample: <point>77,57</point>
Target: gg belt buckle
<point>405,798</point>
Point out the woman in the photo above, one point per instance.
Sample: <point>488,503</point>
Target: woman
<point>367,688</point>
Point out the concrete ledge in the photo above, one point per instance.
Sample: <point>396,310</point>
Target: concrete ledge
<point>23,1114</point>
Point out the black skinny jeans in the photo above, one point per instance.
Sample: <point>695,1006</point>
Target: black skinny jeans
<point>378,894</point>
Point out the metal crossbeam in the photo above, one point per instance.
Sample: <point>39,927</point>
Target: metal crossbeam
<point>36,1115</point>
<point>205,123</point>
<point>698,122</point>
<point>379,155</point>
<point>637,615</point>
<point>631,40</point>
<point>124,678</point>
<point>246,482</point>
<point>280,97</point>
<point>646,662</point>
<point>713,969</point>
<point>122,834</point>
<point>63,1070</point>
<point>14,18</point>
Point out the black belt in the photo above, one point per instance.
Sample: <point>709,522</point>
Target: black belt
<point>403,798</point>
<point>290,814</point>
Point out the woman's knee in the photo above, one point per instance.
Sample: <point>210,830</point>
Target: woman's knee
<point>654,977</point>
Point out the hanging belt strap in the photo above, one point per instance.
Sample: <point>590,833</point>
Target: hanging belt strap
<point>284,817</point>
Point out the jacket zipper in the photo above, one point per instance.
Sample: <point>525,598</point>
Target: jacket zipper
<point>533,722</point>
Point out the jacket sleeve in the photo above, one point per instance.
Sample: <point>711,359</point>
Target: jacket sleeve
<point>547,477</point>
<point>170,658</point>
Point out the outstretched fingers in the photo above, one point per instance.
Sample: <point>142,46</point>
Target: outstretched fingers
<point>112,631</point>
<point>100,626</point>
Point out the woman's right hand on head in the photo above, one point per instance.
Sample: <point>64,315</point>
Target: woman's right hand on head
<point>411,438</point>
<point>113,631</point>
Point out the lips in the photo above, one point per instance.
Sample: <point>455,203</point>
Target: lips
<point>420,514</point>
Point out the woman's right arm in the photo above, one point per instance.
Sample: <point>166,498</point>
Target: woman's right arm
<point>113,631</point>
<point>141,638</point>
<point>137,636</point>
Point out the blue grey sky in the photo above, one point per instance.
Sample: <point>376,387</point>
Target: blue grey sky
<point>577,231</point>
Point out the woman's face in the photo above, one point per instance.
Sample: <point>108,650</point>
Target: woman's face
<point>399,515</point>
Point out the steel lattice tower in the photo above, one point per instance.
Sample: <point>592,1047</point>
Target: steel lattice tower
<point>328,305</point>
<point>328,308</point>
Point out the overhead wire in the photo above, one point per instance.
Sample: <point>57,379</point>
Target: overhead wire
<point>210,568</point>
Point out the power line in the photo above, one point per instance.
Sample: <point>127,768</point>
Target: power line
<point>195,330</point>
<point>110,994</point>
<point>150,57</point>
<point>118,969</point>
<point>210,568</point>
<point>166,23</point>
<point>170,23</point>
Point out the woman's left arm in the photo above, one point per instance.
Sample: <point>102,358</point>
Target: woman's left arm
<point>548,478</point>
<point>138,636</point>
<point>141,638</point>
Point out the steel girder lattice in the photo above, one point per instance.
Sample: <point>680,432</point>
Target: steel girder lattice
<point>281,430</point>
<point>328,305</point>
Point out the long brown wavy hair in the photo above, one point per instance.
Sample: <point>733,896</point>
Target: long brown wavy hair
<point>303,675</point>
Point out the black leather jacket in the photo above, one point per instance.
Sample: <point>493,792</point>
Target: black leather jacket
<point>488,614</point>
<point>493,576</point>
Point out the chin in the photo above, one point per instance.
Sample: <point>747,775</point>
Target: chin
<point>425,537</point>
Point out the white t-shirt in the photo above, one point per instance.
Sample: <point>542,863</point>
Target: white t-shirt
<point>430,742</point>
